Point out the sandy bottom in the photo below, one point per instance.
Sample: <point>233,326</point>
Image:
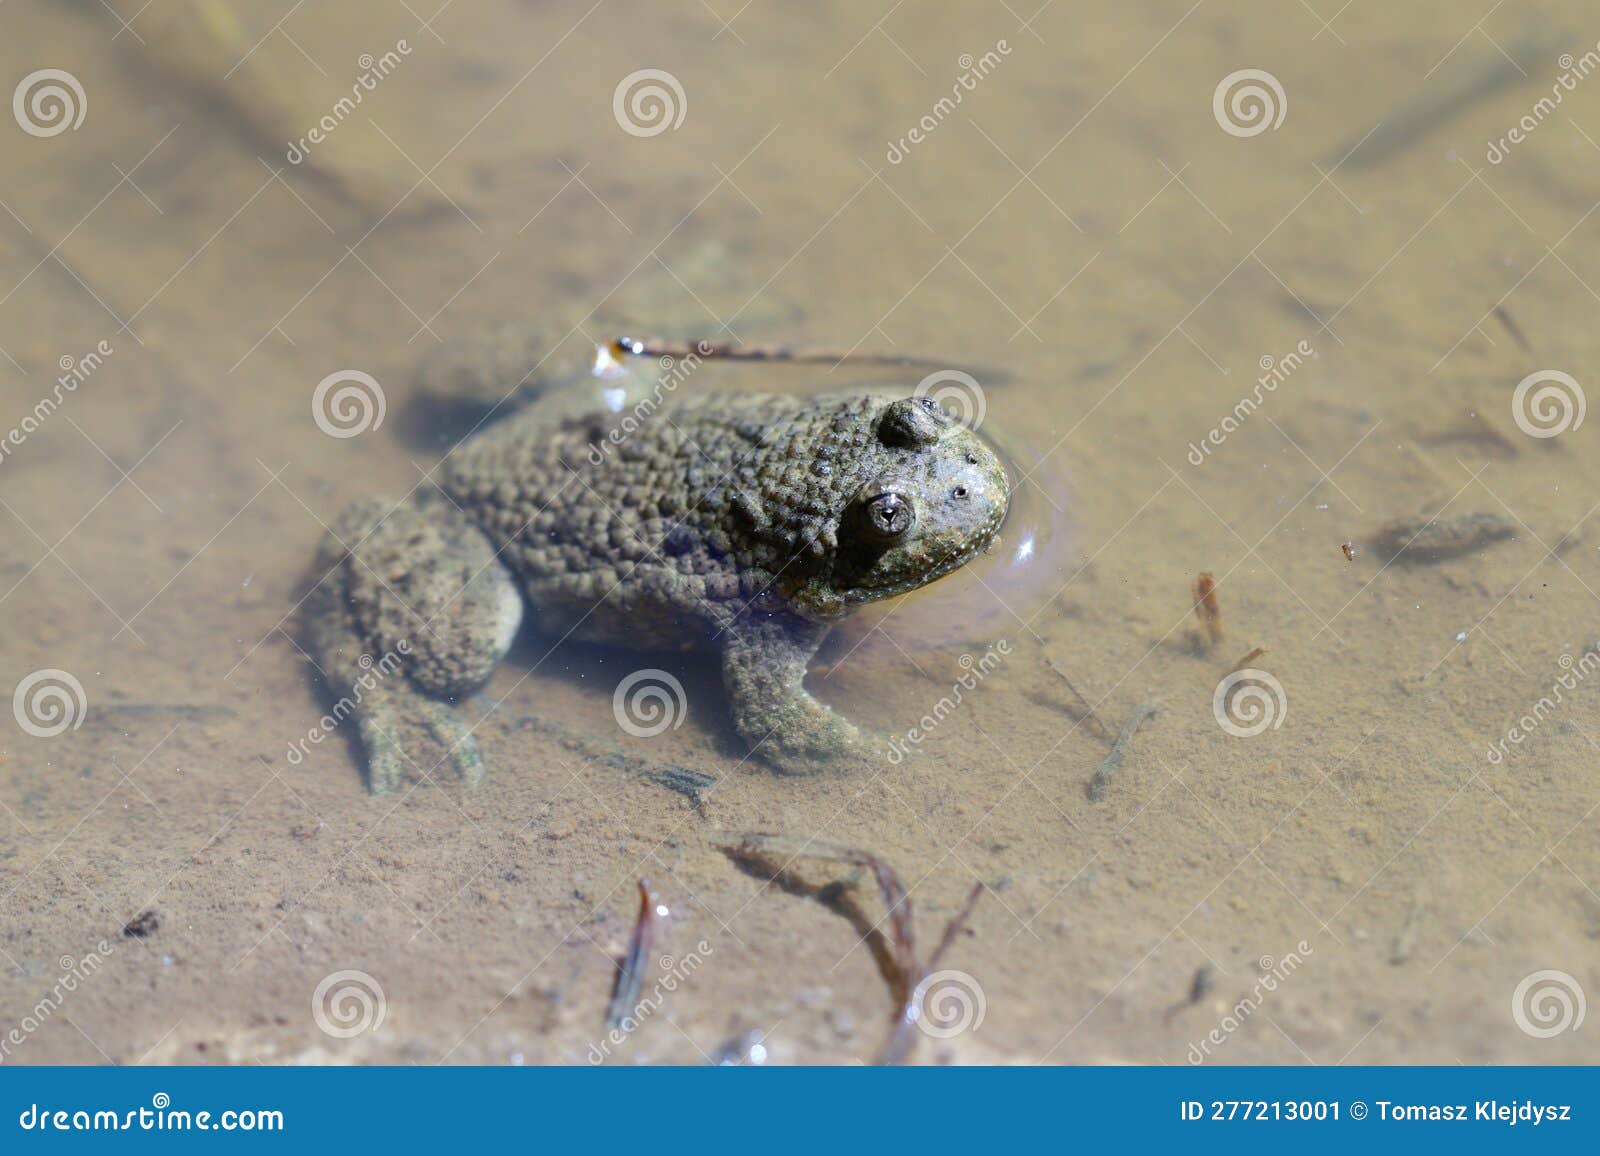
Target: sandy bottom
<point>1361,882</point>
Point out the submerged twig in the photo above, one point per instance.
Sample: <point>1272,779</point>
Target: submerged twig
<point>1254,653</point>
<point>795,355</point>
<point>1119,749</point>
<point>906,973</point>
<point>625,997</point>
<point>1503,315</point>
<point>1444,99</point>
<point>1088,711</point>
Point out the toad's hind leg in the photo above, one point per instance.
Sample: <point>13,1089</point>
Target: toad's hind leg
<point>411,613</point>
<point>764,661</point>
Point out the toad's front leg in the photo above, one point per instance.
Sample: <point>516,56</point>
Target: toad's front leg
<point>764,661</point>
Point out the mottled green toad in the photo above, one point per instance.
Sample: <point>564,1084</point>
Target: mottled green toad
<point>746,524</point>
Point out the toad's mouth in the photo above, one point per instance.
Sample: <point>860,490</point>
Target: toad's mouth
<point>864,590</point>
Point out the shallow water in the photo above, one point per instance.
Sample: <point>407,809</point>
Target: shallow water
<point>1378,876</point>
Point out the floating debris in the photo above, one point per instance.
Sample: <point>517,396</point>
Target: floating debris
<point>1207,609</point>
<point>142,925</point>
<point>1249,659</point>
<point>1205,979</point>
<point>1425,540</point>
<point>630,975</point>
<point>1119,749</point>
<point>1350,551</point>
<point>656,347</point>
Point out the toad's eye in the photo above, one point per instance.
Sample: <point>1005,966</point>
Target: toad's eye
<point>959,492</point>
<point>889,516</point>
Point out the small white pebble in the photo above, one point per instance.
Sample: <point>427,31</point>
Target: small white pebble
<point>1461,637</point>
<point>758,1054</point>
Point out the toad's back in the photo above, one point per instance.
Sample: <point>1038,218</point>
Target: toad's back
<point>656,525</point>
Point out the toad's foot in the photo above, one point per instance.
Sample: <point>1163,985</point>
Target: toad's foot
<point>763,665</point>
<point>411,613</point>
